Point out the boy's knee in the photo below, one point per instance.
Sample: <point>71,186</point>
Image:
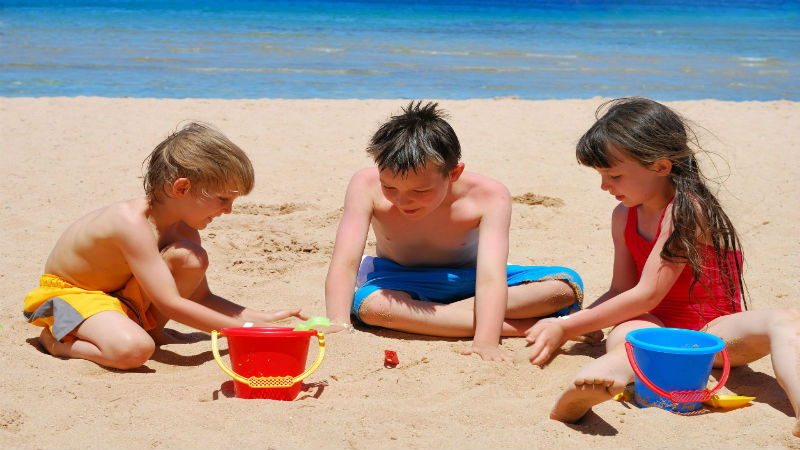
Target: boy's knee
<point>184,256</point>
<point>571,276</point>
<point>787,318</point>
<point>376,310</point>
<point>131,351</point>
<point>564,294</point>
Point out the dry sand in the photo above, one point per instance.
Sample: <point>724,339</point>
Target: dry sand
<point>62,157</point>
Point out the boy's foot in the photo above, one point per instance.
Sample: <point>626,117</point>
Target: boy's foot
<point>165,336</point>
<point>578,399</point>
<point>594,337</point>
<point>49,342</point>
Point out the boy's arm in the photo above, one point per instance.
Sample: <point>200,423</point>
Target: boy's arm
<point>491,285</point>
<point>140,249</point>
<point>205,297</point>
<point>633,297</point>
<point>351,237</point>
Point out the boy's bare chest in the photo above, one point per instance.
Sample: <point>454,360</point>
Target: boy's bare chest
<point>427,243</point>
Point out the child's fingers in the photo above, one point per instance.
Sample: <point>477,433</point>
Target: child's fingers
<point>542,357</point>
<point>533,333</point>
<point>296,313</point>
<point>286,313</point>
<point>540,352</point>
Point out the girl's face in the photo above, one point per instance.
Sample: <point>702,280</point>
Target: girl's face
<point>416,194</point>
<point>634,184</point>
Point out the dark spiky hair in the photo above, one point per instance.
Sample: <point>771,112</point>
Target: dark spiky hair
<point>412,140</point>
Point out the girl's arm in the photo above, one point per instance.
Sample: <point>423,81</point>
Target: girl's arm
<point>626,299</point>
<point>624,274</point>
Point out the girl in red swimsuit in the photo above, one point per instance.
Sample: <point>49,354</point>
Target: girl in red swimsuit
<point>676,261</point>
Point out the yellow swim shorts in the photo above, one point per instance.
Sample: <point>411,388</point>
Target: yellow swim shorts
<point>62,306</point>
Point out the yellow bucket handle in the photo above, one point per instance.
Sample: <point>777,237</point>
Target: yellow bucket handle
<point>268,382</point>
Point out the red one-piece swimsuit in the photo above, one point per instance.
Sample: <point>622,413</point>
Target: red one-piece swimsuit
<point>676,310</point>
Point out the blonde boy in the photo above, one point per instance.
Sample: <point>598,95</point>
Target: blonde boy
<point>119,273</point>
<point>442,245</point>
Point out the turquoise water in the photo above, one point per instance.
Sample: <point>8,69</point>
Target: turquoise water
<point>729,50</point>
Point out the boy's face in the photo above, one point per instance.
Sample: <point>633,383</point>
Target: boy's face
<point>416,194</point>
<point>203,206</point>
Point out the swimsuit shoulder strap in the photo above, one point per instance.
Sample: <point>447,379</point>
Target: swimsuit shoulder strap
<point>663,213</point>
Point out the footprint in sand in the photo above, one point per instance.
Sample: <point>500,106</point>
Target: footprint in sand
<point>535,199</point>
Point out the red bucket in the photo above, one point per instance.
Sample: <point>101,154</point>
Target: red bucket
<point>267,362</point>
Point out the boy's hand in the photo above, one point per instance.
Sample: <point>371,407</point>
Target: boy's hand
<point>489,352</point>
<point>279,314</point>
<point>547,335</point>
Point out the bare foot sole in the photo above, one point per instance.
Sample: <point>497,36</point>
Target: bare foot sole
<point>578,400</point>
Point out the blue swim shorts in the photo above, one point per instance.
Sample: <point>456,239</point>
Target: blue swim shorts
<point>446,285</point>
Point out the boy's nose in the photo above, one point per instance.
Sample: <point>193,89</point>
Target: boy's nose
<point>401,199</point>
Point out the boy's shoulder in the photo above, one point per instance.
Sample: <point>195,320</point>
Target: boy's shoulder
<point>366,175</point>
<point>116,219</point>
<point>481,187</point>
<point>126,211</point>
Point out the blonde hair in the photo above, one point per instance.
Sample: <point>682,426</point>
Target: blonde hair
<point>203,155</point>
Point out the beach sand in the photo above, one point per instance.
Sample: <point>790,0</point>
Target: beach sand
<point>63,157</point>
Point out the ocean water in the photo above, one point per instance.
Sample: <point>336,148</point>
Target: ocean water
<point>668,50</point>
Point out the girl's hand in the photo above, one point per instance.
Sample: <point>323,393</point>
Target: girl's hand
<point>547,335</point>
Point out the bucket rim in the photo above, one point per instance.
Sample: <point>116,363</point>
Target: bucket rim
<point>266,331</point>
<point>711,344</point>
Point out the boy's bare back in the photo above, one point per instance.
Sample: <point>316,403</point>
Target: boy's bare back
<point>90,252</point>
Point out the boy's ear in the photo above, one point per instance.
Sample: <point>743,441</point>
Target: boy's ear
<point>662,166</point>
<point>455,174</point>
<point>180,187</point>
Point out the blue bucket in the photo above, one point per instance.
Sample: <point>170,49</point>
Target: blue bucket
<point>672,365</point>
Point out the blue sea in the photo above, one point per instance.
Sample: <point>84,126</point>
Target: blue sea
<point>668,50</point>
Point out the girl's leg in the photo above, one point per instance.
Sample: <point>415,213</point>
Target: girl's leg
<point>108,338</point>
<point>601,379</point>
<point>751,335</point>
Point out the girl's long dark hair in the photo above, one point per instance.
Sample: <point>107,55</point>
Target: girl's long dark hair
<point>647,131</point>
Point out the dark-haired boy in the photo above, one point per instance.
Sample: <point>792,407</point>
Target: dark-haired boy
<point>442,245</point>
